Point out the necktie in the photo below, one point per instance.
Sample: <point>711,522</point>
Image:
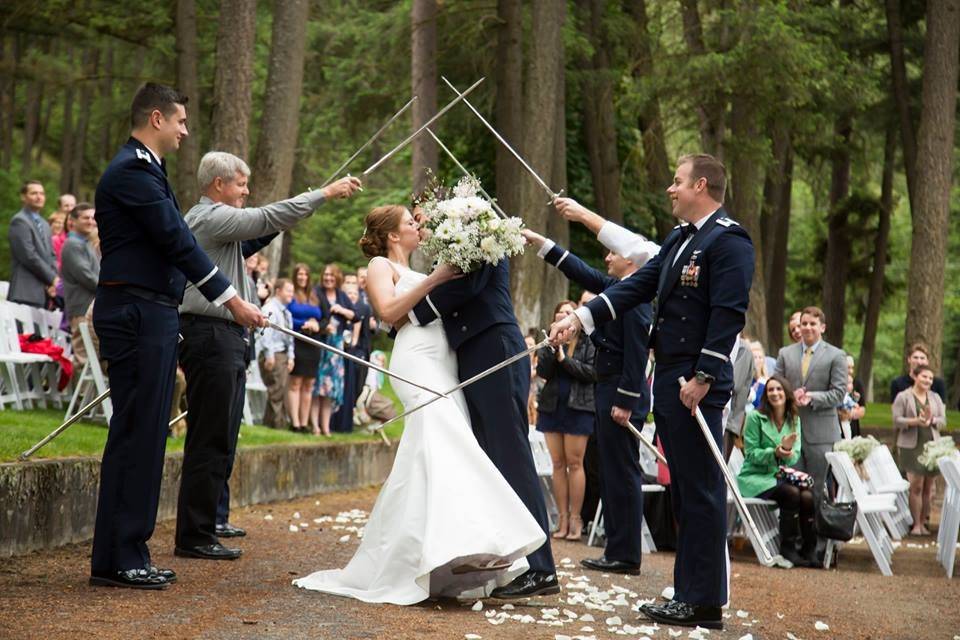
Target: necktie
<point>687,231</point>
<point>805,361</point>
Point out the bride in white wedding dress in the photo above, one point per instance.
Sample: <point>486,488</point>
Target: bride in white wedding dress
<point>446,523</point>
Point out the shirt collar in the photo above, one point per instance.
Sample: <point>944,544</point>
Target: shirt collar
<point>74,234</point>
<point>813,348</point>
<point>702,221</point>
<point>153,153</point>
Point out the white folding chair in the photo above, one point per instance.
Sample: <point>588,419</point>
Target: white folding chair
<point>255,401</point>
<point>597,531</point>
<point>4,289</point>
<point>764,513</point>
<point>883,476</point>
<point>91,382</point>
<point>869,509</point>
<point>22,371</point>
<point>950,514</point>
<point>544,464</point>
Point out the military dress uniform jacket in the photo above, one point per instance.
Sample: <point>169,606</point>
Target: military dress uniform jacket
<point>144,240</point>
<point>701,297</point>
<point>622,343</point>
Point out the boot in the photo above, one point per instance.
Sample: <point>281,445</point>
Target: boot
<point>808,550</point>
<point>789,536</point>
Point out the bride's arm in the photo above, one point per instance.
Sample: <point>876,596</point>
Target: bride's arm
<point>393,308</point>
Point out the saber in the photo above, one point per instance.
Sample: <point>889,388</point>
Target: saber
<point>348,356</point>
<point>643,441</point>
<point>66,425</point>
<point>752,530</point>
<point>469,381</point>
<point>499,137</point>
<point>486,195</point>
<point>366,144</point>
<point>420,130</point>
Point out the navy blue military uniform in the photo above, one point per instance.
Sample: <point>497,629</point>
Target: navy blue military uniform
<point>148,254</point>
<point>701,305</point>
<point>478,318</point>
<point>621,364</point>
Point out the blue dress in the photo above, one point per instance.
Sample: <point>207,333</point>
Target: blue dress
<point>565,420</point>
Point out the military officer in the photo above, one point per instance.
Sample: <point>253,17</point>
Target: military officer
<point>701,279</point>
<point>148,255</point>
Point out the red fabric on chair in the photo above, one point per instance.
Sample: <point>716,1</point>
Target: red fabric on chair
<point>46,347</point>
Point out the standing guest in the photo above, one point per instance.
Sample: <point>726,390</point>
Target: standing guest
<point>918,415</point>
<point>536,384</point>
<point>216,351</point>
<point>793,327</point>
<point>743,375</point>
<point>148,255</point>
<point>622,395</point>
<point>276,355</point>
<point>310,321</point>
<point>701,278</point>
<point>565,415</point>
<point>817,371</point>
<point>264,286</point>
<point>362,333</point>
<point>362,281</point>
<point>918,355</point>
<point>334,373</point>
<point>58,232</point>
<point>859,395</point>
<point>771,439</point>
<point>760,375</point>
<point>80,272</point>
<point>34,265</point>
<point>65,204</point>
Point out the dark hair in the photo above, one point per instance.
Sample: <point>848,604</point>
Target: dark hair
<point>80,208</point>
<point>816,312</point>
<point>790,406</point>
<point>920,368</point>
<point>561,304</point>
<point>379,223</point>
<point>26,186</point>
<point>305,294</point>
<point>712,170</point>
<point>918,346</point>
<point>280,283</point>
<point>154,97</point>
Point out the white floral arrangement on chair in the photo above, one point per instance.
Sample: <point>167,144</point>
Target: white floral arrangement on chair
<point>857,448</point>
<point>465,231</point>
<point>936,449</point>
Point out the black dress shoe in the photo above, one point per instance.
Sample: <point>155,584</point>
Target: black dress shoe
<point>606,565</point>
<point>166,574</point>
<point>214,551</point>
<point>681,614</point>
<point>130,579</point>
<point>532,583</point>
<point>227,530</point>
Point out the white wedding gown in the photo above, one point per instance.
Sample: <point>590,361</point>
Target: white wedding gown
<point>444,503</point>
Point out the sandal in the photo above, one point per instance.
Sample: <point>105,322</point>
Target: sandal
<point>562,528</point>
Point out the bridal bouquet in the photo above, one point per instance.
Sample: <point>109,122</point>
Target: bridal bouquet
<point>465,231</point>
<point>857,448</point>
<point>936,449</point>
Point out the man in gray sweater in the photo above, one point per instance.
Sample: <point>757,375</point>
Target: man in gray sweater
<point>214,353</point>
<point>80,270</point>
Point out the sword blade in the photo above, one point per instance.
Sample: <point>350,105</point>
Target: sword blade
<point>550,192</point>
<point>420,130</point>
<point>366,144</point>
<point>66,425</point>
<point>649,445</point>
<point>463,170</point>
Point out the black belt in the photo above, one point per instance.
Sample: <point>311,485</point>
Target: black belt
<point>146,294</point>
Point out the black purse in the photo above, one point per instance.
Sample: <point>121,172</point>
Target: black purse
<point>835,520</point>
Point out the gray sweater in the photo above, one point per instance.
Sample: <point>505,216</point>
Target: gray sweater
<point>220,228</point>
<point>80,270</point>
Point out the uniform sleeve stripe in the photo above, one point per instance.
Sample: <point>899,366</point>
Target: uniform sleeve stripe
<point>613,314</point>
<point>434,308</point>
<point>562,258</point>
<point>632,394</point>
<point>715,354</point>
<point>209,275</point>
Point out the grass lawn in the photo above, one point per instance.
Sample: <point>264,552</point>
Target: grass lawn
<point>879,416</point>
<point>20,430</point>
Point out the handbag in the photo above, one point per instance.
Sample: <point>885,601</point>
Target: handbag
<point>795,477</point>
<point>835,520</point>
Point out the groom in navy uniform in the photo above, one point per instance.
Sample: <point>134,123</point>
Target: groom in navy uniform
<point>701,279</point>
<point>477,315</point>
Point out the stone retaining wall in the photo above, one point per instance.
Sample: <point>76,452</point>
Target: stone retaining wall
<point>49,503</point>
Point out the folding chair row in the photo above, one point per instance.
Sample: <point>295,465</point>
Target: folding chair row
<point>950,514</point>
<point>597,531</point>
<point>22,373</point>
<point>764,513</point>
<point>883,476</point>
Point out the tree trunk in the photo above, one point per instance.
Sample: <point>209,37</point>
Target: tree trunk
<point>599,125</point>
<point>711,111</point>
<point>188,157</point>
<point>423,74</point>
<point>66,134</point>
<point>509,105</point>
<point>656,165</point>
<point>9,55</point>
<point>233,81</point>
<point>837,262</point>
<point>544,103</point>
<point>875,295</point>
<point>31,124</point>
<point>90,61</point>
<point>901,95</point>
<point>775,226</point>
<point>934,169</point>
<point>107,142</point>
<point>277,143</point>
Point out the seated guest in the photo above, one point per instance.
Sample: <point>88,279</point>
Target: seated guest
<point>80,272</point>
<point>771,440</point>
<point>918,416</point>
<point>760,375</point>
<point>309,320</point>
<point>276,355</point>
<point>918,355</point>
<point>565,416</point>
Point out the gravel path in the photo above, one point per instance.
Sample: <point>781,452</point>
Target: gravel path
<point>45,595</point>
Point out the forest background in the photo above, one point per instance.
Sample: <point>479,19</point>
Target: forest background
<point>836,119</point>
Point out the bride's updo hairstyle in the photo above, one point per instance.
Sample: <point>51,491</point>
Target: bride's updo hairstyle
<point>379,223</point>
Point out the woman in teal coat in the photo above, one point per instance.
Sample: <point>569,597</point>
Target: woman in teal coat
<point>771,440</point>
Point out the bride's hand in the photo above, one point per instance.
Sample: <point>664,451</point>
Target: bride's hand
<point>446,272</point>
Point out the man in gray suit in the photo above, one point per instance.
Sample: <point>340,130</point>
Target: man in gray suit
<point>80,270</point>
<point>34,272</point>
<point>818,373</point>
<point>743,372</point>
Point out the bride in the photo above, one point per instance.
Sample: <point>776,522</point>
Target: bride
<point>446,523</point>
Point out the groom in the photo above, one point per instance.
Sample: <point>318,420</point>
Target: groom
<point>477,315</point>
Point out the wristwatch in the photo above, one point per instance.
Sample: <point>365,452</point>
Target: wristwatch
<point>703,377</point>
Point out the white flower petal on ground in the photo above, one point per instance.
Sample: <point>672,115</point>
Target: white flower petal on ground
<point>294,528</point>
<point>667,593</point>
<point>477,606</point>
<point>345,538</point>
<point>742,614</point>
<point>296,515</point>
<point>586,629</point>
<point>560,636</point>
<point>790,636</point>
<point>507,607</point>
<point>268,517</point>
<point>748,636</point>
<point>780,616</point>
<point>821,626</point>
<point>471,636</point>
<point>674,633</point>
<point>614,621</point>
<point>587,618</point>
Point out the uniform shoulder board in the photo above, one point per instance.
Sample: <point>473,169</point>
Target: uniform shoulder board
<point>678,227</point>
<point>727,222</point>
<point>144,155</point>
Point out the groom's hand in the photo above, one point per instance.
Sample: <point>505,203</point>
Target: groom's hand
<point>533,238</point>
<point>565,330</point>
